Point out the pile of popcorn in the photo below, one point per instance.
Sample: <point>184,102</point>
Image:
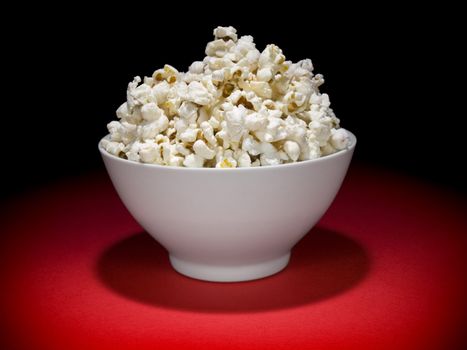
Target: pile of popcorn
<point>239,107</point>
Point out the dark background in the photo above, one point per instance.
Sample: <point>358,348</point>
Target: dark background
<point>389,73</point>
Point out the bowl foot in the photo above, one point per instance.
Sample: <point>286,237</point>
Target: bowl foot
<point>237,273</point>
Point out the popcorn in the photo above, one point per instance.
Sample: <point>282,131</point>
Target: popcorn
<point>188,111</point>
<point>243,159</point>
<point>182,149</point>
<point>202,150</point>
<point>218,48</point>
<point>168,73</point>
<point>149,152</point>
<point>115,148</point>
<point>152,129</point>
<point>256,121</point>
<point>190,134</point>
<point>151,111</point>
<point>133,152</point>
<point>251,146</point>
<point>292,149</point>
<point>261,88</point>
<point>193,161</point>
<point>122,131</point>
<point>198,94</point>
<point>229,33</point>
<point>339,138</point>
<point>234,125</point>
<point>196,67</point>
<point>264,74</point>
<point>130,93</point>
<point>238,107</point>
<point>321,131</point>
<point>226,160</point>
<point>160,92</point>
<point>208,133</point>
<point>169,155</point>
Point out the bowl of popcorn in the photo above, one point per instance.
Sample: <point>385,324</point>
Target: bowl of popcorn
<point>230,164</point>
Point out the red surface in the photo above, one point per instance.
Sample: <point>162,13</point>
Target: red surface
<point>384,269</point>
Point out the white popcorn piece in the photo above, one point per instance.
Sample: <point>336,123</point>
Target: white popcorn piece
<point>238,107</point>
<point>243,158</point>
<point>327,149</point>
<point>169,154</point>
<point>208,133</point>
<point>227,161</point>
<point>215,63</point>
<point>188,111</point>
<point>141,94</point>
<point>310,150</point>
<point>325,100</point>
<point>210,85</point>
<point>122,131</point>
<point>280,84</point>
<point>235,120</point>
<point>198,94</point>
<point>150,112</point>
<point>306,64</point>
<point>160,139</point>
<point>275,129</point>
<point>193,161</point>
<point>196,67</point>
<point>264,74</point>
<point>292,149</point>
<point>225,33</point>
<point>131,101</point>
<point>214,122</point>
<point>170,106</point>
<point>180,148</point>
<point>271,57</point>
<point>171,132</point>
<point>245,52</point>
<point>133,153</point>
<point>150,152</point>
<point>115,148</point>
<point>160,92</point>
<point>303,68</point>
<point>235,96</point>
<point>321,131</point>
<point>152,129</point>
<point>339,138</point>
<point>256,121</point>
<point>317,81</point>
<point>122,111</point>
<point>148,81</point>
<point>180,125</point>
<point>189,135</point>
<point>168,73</point>
<point>251,146</point>
<point>116,130</point>
<point>218,48</point>
<point>203,115</point>
<point>218,75</point>
<point>176,160</point>
<point>202,150</point>
<point>269,160</point>
<point>224,136</point>
<point>261,89</point>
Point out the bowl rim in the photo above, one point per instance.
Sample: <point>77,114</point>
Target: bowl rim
<point>350,148</point>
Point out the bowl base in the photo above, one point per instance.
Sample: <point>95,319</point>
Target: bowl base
<point>237,273</point>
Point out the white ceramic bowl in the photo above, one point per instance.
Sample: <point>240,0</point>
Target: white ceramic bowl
<point>229,224</point>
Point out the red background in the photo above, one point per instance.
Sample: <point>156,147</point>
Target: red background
<point>384,269</point>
